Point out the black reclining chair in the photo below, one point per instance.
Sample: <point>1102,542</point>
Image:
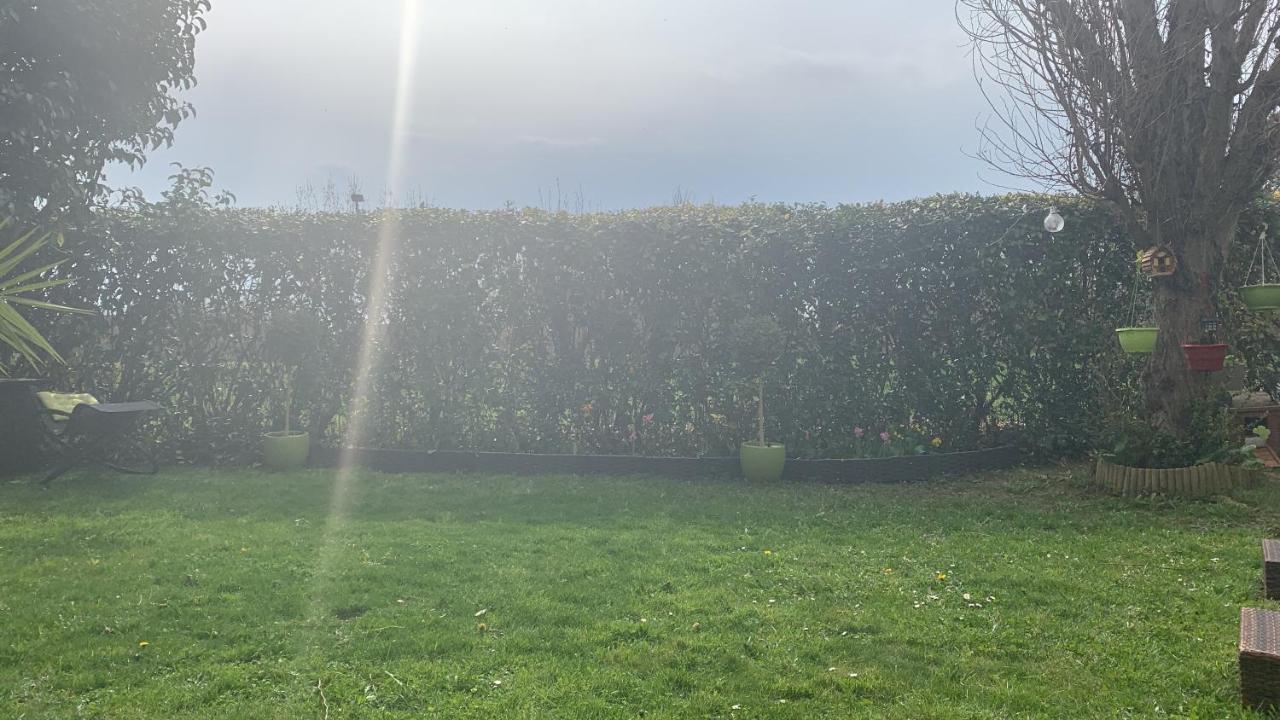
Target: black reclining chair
<point>92,433</point>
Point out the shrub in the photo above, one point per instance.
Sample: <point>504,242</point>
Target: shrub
<point>1216,436</point>
<point>955,317</point>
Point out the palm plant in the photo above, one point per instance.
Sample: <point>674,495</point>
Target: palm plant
<point>16,287</point>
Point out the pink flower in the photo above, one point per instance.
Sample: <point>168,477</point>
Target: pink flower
<point>648,419</point>
<point>859,432</point>
<point>884,436</point>
<point>633,436</point>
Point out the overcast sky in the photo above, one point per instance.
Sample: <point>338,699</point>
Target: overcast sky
<point>622,100</point>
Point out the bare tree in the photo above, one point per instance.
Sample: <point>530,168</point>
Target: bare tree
<point>1163,108</point>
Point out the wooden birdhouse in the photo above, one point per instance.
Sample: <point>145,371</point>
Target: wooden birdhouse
<point>1158,261</point>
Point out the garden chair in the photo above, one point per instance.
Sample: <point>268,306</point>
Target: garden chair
<point>80,430</point>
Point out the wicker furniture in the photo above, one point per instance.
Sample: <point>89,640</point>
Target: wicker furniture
<point>1271,569</point>
<point>1260,658</point>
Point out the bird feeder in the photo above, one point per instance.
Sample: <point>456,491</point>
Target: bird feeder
<point>1158,261</point>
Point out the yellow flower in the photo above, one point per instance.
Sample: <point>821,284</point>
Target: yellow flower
<point>768,552</point>
<point>887,571</point>
<point>941,576</point>
<point>937,442</point>
<point>143,644</point>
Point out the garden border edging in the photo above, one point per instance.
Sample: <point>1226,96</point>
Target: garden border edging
<point>857,470</point>
<point>1195,481</point>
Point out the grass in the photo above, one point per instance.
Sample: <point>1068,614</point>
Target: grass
<point>1014,595</point>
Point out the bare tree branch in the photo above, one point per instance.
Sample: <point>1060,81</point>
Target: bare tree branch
<point>1166,109</point>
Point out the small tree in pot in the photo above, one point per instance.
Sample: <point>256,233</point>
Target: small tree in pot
<point>290,340</point>
<point>756,342</point>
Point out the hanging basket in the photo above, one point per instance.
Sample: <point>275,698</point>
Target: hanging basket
<point>1137,339</point>
<point>1261,297</point>
<point>1205,358</point>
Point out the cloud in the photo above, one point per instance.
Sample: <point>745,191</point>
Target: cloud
<point>844,100</point>
<point>560,142</point>
<point>819,67</point>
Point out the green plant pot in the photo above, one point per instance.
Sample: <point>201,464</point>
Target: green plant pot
<point>1261,297</point>
<point>1137,339</point>
<point>762,464</point>
<point>285,451</point>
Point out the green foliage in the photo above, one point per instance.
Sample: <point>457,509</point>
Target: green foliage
<point>18,283</point>
<point>754,344</point>
<point>1254,336</point>
<point>1215,435</point>
<point>292,337</point>
<point>955,317</point>
<point>863,443</point>
<point>84,83</point>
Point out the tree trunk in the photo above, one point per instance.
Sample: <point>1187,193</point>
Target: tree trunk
<point>760,411</point>
<point>288,404</point>
<point>1181,302</point>
<point>1171,388</point>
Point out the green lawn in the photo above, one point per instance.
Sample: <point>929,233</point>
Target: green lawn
<point>202,594</point>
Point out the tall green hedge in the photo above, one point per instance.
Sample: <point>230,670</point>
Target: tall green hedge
<point>951,316</point>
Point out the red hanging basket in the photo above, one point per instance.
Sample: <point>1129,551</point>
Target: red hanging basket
<point>1205,358</point>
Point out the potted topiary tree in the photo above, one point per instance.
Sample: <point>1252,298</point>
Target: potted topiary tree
<point>756,342</point>
<point>290,340</point>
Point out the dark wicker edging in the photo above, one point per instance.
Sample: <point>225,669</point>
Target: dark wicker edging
<point>894,469</point>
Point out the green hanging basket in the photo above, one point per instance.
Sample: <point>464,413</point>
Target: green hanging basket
<point>1137,339</point>
<point>1261,297</point>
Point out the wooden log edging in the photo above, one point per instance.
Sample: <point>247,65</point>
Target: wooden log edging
<point>1195,481</point>
<point>862,470</point>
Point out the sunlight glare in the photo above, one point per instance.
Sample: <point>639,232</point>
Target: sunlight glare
<point>388,240</point>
